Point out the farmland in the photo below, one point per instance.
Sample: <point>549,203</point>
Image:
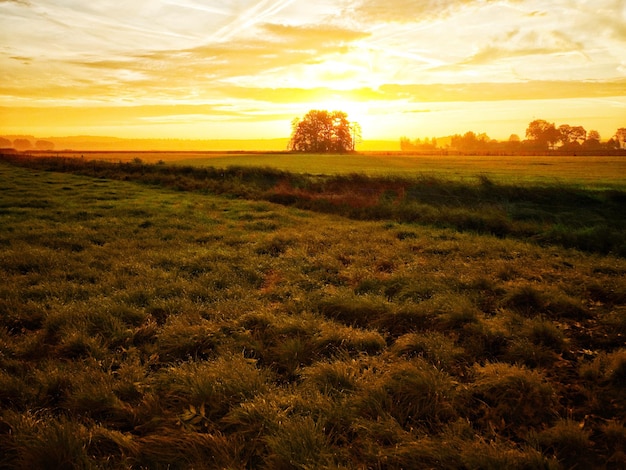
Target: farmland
<point>463,315</point>
<point>593,170</point>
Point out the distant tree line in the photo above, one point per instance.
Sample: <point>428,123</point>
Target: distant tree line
<point>541,136</point>
<point>23,144</point>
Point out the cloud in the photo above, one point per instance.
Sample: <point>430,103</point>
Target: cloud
<point>110,115</point>
<point>530,90</point>
<point>311,35</point>
<point>525,43</point>
<point>249,17</point>
<point>300,95</point>
<point>409,11</point>
<point>179,70</point>
<point>22,59</point>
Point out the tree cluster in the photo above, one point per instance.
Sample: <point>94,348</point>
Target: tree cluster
<point>420,145</point>
<point>541,136</point>
<point>324,131</point>
<point>544,135</point>
<point>23,144</point>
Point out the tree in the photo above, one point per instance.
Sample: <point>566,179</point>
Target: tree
<point>22,144</point>
<point>44,145</point>
<point>357,134</point>
<point>572,135</point>
<point>593,135</point>
<point>5,143</point>
<point>593,140</point>
<point>471,142</point>
<point>620,137</point>
<point>542,133</point>
<point>323,131</point>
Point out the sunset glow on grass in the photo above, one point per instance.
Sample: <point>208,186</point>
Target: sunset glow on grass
<point>193,69</point>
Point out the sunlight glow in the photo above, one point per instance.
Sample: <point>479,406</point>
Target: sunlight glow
<point>245,69</point>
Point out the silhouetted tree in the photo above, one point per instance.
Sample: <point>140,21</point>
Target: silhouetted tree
<point>22,144</point>
<point>572,135</point>
<point>427,145</point>
<point>620,137</point>
<point>357,134</point>
<point>471,142</point>
<point>322,131</point>
<point>5,143</point>
<point>593,140</point>
<point>542,133</point>
<point>44,145</point>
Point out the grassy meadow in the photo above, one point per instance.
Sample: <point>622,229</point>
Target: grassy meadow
<point>174,317</point>
<point>608,171</point>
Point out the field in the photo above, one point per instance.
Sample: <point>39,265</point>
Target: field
<point>156,316</point>
<point>605,170</point>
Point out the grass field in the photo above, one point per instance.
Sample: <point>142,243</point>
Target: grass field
<point>159,323</point>
<point>608,170</point>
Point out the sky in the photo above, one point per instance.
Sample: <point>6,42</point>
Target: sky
<point>224,69</point>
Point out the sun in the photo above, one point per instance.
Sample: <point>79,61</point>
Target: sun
<point>355,110</point>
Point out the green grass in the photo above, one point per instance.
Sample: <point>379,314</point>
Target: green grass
<point>595,171</point>
<point>566,214</point>
<point>142,326</point>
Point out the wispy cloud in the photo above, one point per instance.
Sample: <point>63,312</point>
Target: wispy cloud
<point>410,11</point>
<point>248,17</point>
<point>525,43</point>
<point>530,90</point>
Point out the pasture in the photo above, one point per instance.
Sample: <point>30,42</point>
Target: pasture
<point>586,170</point>
<point>178,317</point>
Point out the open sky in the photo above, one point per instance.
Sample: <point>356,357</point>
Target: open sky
<point>213,69</point>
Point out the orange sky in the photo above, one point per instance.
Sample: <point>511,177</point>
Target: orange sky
<point>215,69</point>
